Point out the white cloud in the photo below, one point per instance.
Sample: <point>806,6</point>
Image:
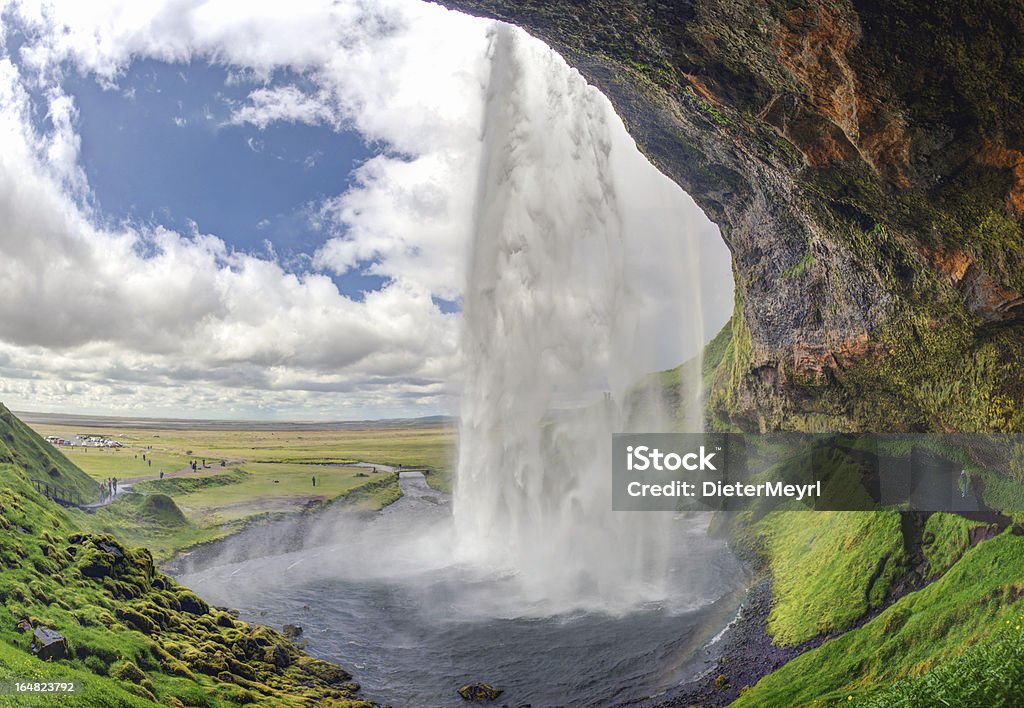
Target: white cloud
<point>140,318</point>
<point>285,103</point>
<point>85,315</point>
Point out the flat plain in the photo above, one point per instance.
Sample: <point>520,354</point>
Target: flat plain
<point>246,476</point>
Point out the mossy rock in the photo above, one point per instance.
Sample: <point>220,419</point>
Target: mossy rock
<point>479,692</point>
<point>128,671</point>
<point>192,603</point>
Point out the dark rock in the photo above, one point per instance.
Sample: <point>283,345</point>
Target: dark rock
<point>479,692</point>
<point>192,604</point>
<point>292,631</point>
<point>278,656</point>
<point>24,625</point>
<point>49,644</point>
<point>112,550</point>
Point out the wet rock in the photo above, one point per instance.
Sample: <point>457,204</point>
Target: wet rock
<point>49,644</point>
<point>292,631</point>
<point>479,692</point>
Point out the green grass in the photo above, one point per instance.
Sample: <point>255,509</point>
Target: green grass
<point>431,447</point>
<point>23,447</point>
<point>187,485</point>
<point>920,632</point>
<point>172,514</point>
<point>946,538</point>
<point>267,487</point>
<point>829,568</point>
<point>156,522</point>
<point>124,463</point>
<point>219,500</point>
<point>990,674</point>
<point>93,690</point>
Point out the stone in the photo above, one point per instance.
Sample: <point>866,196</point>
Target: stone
<point>49,644</point>
<point>479,692</point>
<point>292,631</point>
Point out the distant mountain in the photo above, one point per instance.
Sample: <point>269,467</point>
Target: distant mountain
<point>94,421</point>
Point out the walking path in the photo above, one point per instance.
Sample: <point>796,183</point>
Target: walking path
<point>125,486</point>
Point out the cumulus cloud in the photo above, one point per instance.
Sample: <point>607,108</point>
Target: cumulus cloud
<point>96,318</point>
<point>134,317</point>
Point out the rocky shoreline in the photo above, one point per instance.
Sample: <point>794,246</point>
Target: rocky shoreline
<point>744,654</point>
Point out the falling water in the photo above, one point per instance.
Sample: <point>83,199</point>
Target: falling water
<point>551,363</point>
<point>582,265</point>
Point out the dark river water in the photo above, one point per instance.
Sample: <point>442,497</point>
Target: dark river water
<point>379,596</point>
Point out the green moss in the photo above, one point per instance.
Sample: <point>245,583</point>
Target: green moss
<point>800,267</point>
<point>135,637</point>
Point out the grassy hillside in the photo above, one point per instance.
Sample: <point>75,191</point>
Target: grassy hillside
<point>922,634</point>
<point>23,448</point>
<point>134,636</point>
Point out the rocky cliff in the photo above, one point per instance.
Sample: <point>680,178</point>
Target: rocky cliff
<point>864,162</point>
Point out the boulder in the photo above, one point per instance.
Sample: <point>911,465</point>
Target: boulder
<point>479,692</point>
<point>292,631</point>
<point>49,644</point>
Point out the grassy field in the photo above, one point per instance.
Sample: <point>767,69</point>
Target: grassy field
<point>265,474</point>
<point>432,447</point>
<point>259,488</point>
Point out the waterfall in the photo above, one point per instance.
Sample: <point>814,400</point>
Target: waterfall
<point>551,360</point>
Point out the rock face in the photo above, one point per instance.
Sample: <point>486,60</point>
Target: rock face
<point>865,162</point>
<point>49,644</point>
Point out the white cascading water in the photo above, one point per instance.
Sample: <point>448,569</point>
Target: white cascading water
<point>550,314</point>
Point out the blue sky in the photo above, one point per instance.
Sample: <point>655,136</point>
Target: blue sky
<point>265,210</point>
<point>160,148</point>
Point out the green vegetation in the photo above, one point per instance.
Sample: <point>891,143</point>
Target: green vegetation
<point>989,674</point>
<point>154,521</point>
<point>266,474</point>
<point>188,485</point>
<point>921,631</point>
<point>431,447</point>
<point>829,569</point>
<point>123,463</point>
<point>946,538</point>
<point>671,383</point>
<point>22,447</point>
<point>267,487</point>
<point>134,636</point>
